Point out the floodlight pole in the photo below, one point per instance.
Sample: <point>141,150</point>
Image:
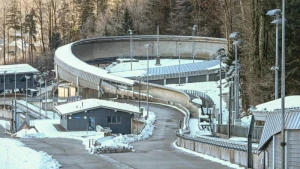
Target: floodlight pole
<point>147,46</point>
<point>26,96</point>
<point>15,104</point>
<point>276,62</point>
<point>130,32</point>
<point>4,88</point>
<point>139,93</point>
<point>236,79</point>
<point>283,88</point>
<point>220,74</point>
<point>179,73</point>
<point>193,49</point>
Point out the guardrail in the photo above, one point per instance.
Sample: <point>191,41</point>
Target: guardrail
<point>216,142</point>
<point>240,131</point>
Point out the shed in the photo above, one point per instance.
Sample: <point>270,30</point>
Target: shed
<point>87,114</point>
<point>14,75</point>
<point>271,139</point>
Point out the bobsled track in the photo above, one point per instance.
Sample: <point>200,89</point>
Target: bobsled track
<point>73,63</point>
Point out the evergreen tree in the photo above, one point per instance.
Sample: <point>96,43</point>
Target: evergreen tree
<point>13,21</point>
<point>87,18</point>
<point>30,28</point>
<point>126,22</point>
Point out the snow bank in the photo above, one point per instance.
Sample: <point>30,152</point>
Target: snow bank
<point>14,155</point>
<point>3,123</point>
<point>123,141</point>
<point>28,133</point>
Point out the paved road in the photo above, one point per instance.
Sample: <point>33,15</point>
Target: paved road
<point>156,152</point>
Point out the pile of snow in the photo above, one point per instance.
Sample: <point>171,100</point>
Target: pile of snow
<point>3,123</point>
<point>28,133</point>
<point>14,155</point>
<point>246,120</point>
<point>291,102</point>
<point>123,141</point>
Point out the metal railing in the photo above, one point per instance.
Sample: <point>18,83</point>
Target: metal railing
<point>240,131</point>
<point>215,142</point>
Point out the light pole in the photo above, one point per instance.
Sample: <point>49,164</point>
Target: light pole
<point>157,48</point>
<point>179,73</point>
<point>221,53</point>
<point>276,14</point>
<point>26,77</point>
<point>15,104</point>
<point>193,49</point>
<point>130,32</point>
<point>147,46</point>
<point>235,36</point>
<point>139,93</point>
<point>283,143</point>
<point>4,88</point>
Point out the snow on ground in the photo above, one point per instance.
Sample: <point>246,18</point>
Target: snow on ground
<point>207,157</point>
<point>14,155</point>
<point>211,89</point>
<point>246,120</point>
<point>193,124</point>
<point>142,64</point>
<point>3,123</point>
<point>291,102</point>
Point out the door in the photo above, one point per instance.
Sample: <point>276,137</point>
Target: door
<point>92,124</point>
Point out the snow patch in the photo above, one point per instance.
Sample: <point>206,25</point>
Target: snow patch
<point>14,155</point>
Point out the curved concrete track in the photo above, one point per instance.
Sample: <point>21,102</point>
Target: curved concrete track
<point>155,152</point>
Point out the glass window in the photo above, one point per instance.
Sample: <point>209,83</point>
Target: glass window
<point>114,119</point>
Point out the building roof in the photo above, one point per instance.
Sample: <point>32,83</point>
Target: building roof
<point>273,125</point>
<point>17,68</point>
<point>291,102</point>
<point>89,104</point>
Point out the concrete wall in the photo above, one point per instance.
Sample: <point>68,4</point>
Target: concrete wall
<point>120,46</point>
<point>231,155</point>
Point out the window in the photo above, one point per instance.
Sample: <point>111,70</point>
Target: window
<point>114,119</point>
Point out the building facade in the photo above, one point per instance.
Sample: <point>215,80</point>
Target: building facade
<point>86,114</point>
<point>14,75</point>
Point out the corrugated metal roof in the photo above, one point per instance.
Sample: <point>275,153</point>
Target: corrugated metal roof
<point>273,125</point>
<point>190,67</point>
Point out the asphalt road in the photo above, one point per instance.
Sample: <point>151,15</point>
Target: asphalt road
<point>155,152</point>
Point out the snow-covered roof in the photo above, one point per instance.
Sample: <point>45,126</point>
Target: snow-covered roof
<point>89,104</point>
<point>291,102</point>
<point>17,68</point>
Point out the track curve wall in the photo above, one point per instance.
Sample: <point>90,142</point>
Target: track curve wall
<point>70,63</point>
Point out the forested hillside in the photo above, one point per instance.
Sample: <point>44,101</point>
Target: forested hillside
<point>41,26</point>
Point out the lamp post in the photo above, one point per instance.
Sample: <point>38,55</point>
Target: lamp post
<point>283,88</point>
<point>221,53</point>
<point>147,46</point>
<point>235,36</point>
<point>130,32</point>
<point>179,73</point>
<point>193,49</point>
<point>276,14</point>
<point>26,77</point>
<point>15,104</point>
<point>4,88</point>
<point>139,93</point>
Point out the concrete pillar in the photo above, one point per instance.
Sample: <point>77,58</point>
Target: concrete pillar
<point>187,79</point>
<point>165,81</point>
<point>207,77</point>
